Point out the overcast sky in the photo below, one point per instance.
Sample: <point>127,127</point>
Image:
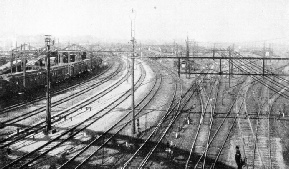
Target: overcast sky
<point>202,20</point>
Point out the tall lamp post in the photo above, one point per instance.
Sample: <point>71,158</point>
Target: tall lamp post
<point>132,19</point>
<point>48,103</point>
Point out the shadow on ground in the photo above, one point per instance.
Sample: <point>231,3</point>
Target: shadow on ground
<point>123,146</point>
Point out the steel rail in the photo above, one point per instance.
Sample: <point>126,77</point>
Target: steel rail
<point>270,87</point>
<point>228,134</point>
<point>60,101</point>
<point>91,120</point>
<point>59,116</point>
<point>175,117</point>
<point>113,127</point>
<point>153,132</point>
<point>256,148</point>
<point>266,70</point>
<point>86,160</point>
<point>106,108</point>
<point>197,133</point>
<point>272,80</point>
<point>260,81</point>
<point>202,122</point>
<point>117,124</point>
<point>259,125</point>
<point>256,133</point>
<point>145,160</point>
<point>158,65</point>
<point>193,88</point>
<point>22,104</point>
<point>203,112</point>
<point>211,120</point>
<point>35,125</point>
<point>250,125</point>
<point>255,66</point>
<point>220,126</point>
<point>222,58</point>
<point>223,145</point>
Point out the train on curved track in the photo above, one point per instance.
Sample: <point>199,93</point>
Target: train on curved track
<point>36,78</point>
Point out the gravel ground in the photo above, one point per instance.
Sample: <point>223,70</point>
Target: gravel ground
<point>42,115</point>
<point>183,142</point>
<point>102,125</point>
<point>55,110</point>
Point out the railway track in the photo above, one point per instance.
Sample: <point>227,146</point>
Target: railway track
<point>273,85</point>
<point>211,134</point>
<point>73,131</point>
<point>255,154</point>
<point>258,134</point>
<point>55,118</point>
<point>200,142</point>
<point>254,151</point>
<point>53,93</point>
<point>40,109</point>
<point>145,134</point>
<point>149,147</point>
<point>118,127</point>
<point>157,133</point>
<point>215,147</point>
<point>147,140</point>
<point>264,155</point>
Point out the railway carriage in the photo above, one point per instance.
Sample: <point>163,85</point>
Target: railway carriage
<point>37,78</point>
<point>87,64</point>
<point>77,68</point>
<point>58,73</point>
<point>3,87</point>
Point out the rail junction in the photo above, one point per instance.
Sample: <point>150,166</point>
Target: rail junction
<point>148,109</point>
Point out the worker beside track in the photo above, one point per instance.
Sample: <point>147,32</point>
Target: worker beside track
<point>238,158</point>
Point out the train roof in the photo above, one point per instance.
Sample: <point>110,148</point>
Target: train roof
<point>7,66</point>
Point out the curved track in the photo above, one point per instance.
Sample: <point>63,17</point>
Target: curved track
<point>86,87</point>
<point>65,136</point>
<point>256,132</point>
<point>53,93</point>
<point>57,117</point>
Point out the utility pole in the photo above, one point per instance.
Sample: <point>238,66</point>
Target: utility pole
<point>230,54</point>
<point>132,70</point>
<point>24,67</point>
<point>16,59</point>
<point>264,54</point>
<point>140,50</point>
<point>11,61</point>
<point>21,57</point>
<point>48,103</point>
<point>187,55</point>
<point>179,60</point>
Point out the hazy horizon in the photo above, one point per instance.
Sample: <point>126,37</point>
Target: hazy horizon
<point>208,21</point>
